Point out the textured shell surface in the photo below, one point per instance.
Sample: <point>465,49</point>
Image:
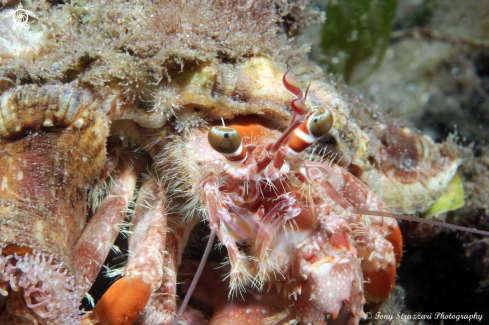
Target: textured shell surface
<point>93,94</point>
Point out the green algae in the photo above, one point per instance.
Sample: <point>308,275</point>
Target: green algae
<point>356,31</point>
<point>451,200</point>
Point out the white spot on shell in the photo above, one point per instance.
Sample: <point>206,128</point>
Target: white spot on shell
<point>47,122</point>
<point>78,123</point>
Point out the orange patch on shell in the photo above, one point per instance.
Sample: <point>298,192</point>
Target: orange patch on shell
<point>10,249</point>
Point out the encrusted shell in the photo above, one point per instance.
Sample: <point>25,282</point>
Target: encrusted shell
<point>48,136</point>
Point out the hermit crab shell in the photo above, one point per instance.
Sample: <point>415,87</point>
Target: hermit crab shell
<point>49,136</point>
<point>158,76</point>
<point>407,170</point>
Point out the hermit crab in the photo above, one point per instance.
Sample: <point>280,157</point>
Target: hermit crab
<point>147,120</point>
<point>296,226</point>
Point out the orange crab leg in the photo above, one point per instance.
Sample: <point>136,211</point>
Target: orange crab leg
<point>126,298</point>
<point>123,302</point>
<point>164,301</point>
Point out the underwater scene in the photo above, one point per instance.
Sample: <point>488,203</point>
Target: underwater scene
<point>275,162</point>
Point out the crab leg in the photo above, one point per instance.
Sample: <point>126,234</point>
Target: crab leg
<point>222,229</point>
<point>162,306</point>
<point>238,273</point>
<point>95,242</point>
<point>127,297</point>
<point>379,243</point>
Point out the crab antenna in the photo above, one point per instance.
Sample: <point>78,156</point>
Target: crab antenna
<point>198,273</point>
<point>307,90</point>
<point>421,220</point>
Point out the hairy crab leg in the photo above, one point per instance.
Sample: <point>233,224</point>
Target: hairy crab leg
<point>379,240</point>
<point>236,258</point>
<point>211,188</point>
<point>128,296</point>
<point>162,306</point>
<point>96,240</point>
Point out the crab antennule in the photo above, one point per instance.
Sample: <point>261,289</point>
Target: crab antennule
<point>292,84</point>
<point>298,106</point>
<point>286,135</point>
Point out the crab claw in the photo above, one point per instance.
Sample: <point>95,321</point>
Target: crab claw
<point>126,298</point>
<point>123,302</point>
<point>333,289</point>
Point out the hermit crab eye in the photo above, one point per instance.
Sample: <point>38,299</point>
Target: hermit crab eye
<point>320,122</point>
<point>227,142</point>
<point>224,140</point>
<point>317,124</point>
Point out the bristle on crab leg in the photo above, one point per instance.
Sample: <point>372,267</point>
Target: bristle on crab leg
<point>95,242</point>
<point>127,297</point>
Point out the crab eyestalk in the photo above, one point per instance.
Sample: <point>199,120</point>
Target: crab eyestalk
<point>316,126</point>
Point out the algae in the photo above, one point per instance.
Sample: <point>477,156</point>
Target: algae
<point>356,31</point>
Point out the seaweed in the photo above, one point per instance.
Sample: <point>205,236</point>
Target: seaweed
<point>355,31</point>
